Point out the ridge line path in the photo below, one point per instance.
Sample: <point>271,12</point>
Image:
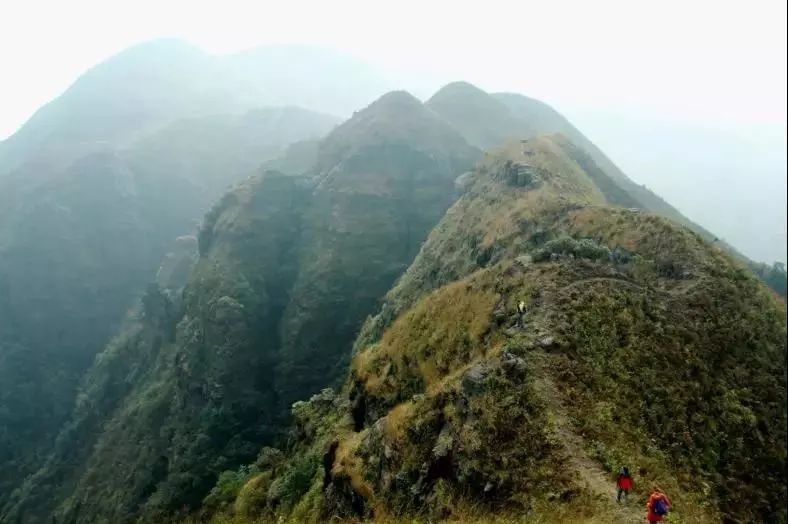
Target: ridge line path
<point>591,475</point>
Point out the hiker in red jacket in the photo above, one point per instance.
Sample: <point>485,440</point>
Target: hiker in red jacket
<point>624,483</point>
<point>657,506</point>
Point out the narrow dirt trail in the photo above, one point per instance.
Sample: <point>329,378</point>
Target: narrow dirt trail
<point>609,280</point>
<point>590,472</point>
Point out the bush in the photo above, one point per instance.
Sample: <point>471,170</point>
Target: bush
<point>288,489</point>
<point>228,486</point>
<point>568,246</point>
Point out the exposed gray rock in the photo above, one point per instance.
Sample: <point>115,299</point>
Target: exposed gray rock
<point>499,314</point>
<point>512,331</point>
<point>512,362</point>
<point>473,380</point>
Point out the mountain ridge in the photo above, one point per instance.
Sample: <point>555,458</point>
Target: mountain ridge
<point>455,409</point>
<point>153,83</point>
<point>79,246</point>
<point>256,331</point>
<point>386,219</point>
<point>528,116</point>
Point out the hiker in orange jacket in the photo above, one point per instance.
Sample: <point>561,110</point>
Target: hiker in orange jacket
<point>657,506</point>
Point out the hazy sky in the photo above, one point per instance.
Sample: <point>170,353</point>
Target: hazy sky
<point>681,94</point>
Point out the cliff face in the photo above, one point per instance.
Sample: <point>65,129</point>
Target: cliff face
<point>384,180</point>
<point>78,245</point>
<point>641,345</point>
<point>289,267</point>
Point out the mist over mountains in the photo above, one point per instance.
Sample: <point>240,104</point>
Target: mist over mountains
<point>194,248</point>
<point>725,167</point>
<point>675,158</point>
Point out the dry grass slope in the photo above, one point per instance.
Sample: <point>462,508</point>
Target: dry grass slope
<point>642,345</point>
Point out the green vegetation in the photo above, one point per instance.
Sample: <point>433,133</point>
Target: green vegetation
<point>78,247</point>
<point>289,266</point>
<point>642,345</point>
<point>228,487</point>
<point>568,246</point>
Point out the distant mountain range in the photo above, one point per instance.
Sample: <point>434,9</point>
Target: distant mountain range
<point>154,83</point>
<point>192,249</point>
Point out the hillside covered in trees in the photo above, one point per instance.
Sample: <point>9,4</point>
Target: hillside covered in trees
<point>219,303</point>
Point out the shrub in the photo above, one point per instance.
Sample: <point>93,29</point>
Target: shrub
<point>228,486</point>
<point>288,489</point>
<point>568,246</point>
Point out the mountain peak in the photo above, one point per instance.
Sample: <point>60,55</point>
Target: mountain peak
<point>483,120</point>
<point>395,118</point>
<point>159,81</point>
<point>458,88</point>
<point>173,46</point>
<point>399,100</point>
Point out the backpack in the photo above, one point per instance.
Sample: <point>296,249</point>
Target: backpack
<point>661,507</point>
